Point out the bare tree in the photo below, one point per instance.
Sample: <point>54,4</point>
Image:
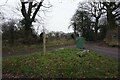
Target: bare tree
<point>95,9</point>
<point>113,12</point>
<point>29,14</point>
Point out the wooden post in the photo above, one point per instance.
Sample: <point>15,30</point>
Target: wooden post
<point>44,41</point>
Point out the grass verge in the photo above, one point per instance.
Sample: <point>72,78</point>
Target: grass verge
<point>64,63</point>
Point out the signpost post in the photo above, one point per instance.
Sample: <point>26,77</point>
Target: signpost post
<point>44,41</point>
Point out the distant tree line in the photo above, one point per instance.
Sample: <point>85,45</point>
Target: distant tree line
<point>95,19</point>
<point>13,33</point>
<point>22,30</point>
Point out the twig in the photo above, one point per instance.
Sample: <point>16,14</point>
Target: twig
<point>4,3</point>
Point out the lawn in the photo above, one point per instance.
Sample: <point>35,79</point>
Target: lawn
<point>64,63</point>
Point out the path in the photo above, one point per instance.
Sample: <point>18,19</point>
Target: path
<point>111,52</point>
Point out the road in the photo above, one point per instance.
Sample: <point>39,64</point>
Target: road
<point>107,51</point>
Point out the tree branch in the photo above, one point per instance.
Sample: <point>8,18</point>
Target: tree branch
<point>23,10</point>
<point>47,6</point>
<point>38,7</point>
<point>4,3</point>
<point>30,9</point>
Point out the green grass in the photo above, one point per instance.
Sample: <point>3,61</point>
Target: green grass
<point>19,48</point>
<point>64,63</point>
<point>33,47</point>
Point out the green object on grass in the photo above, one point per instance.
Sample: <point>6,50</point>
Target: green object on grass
<point>80,42</point>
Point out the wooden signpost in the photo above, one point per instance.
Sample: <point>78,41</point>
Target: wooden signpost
<point>44,41</point>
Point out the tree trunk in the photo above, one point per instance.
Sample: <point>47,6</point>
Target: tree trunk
<point>96,29</point>
<point>28,32</point>
<point>111,19</point>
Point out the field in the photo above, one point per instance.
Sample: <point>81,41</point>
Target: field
<point>50,43</point>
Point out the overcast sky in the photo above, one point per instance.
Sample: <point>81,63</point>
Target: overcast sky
<point>57,19</point>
